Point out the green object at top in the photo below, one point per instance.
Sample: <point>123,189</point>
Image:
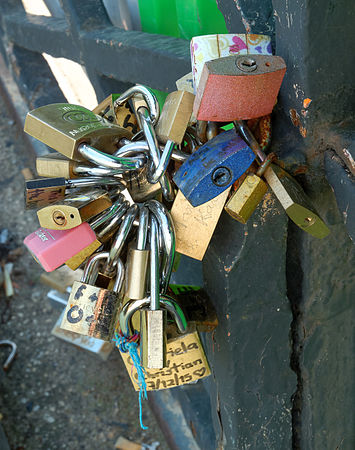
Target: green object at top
<point>161,96</point>
<point>181,18</point>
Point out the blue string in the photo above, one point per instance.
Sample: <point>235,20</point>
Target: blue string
<point>128,345</point>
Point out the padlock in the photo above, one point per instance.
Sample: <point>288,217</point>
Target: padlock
<point>213,168</point>
<point>251,190</point>
<point>110,220</point>
<point>122,115</point>
<point>137,260</point>
<point>290,194</point>
<point>93,310</point>
<point>213,46</point>
<point>64,127</point>
<point>57,165</point>
<point>195,225</point>
<point>52,248</point>
<point>74,210</point>
<point>238,87</point>
<point>175,117</point>
<point>46,191</point>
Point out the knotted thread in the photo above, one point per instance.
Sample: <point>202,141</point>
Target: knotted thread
<point>129,344</point>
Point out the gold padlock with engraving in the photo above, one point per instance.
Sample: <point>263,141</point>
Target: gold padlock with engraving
<point>64,127</point>
<point>195,226</point>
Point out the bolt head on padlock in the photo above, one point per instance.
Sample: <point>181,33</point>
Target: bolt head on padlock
<point>238,87</point>
<point>214,167</point>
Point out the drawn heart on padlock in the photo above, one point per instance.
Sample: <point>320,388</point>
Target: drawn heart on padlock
<point>200,372</point>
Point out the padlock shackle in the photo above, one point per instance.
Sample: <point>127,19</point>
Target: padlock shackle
<point>92,181</point>
<point>242,128</point>
<point>154,265</point>
<point>166,302</point>
<point>89,275</point>
<point>114,222</point>
<point>120,239</point>
<point>108,213</point>
<point>168,231</point>
<point>149,97</point>
<point>132,148</point>
<point>143,227</point>
<point>120,275</point>
<point>103,159</point>
<point>83,169</point>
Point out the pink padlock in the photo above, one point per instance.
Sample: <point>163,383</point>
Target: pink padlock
<point>51,248</point>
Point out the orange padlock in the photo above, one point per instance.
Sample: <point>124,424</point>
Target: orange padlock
<point>238,87</point>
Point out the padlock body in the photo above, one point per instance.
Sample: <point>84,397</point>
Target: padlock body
<point>226,93</point>
<point>194,226</point>
<point>244,201</point>
<point>72,213</point>
<point>295,202</point>
<point>51,248</point>
<point>43,192</point>
<point>55,165</point>
<point>63,127</point>
<point>91,311</point>
<point>175,116</point>
<point>136,273</point>
<point>198,178</point>
<point>75,261</point>
<point>153,338</point>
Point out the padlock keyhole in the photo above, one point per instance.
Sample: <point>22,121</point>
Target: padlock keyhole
<point>221,176</point>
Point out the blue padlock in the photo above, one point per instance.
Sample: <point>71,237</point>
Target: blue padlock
<point>214,167</point>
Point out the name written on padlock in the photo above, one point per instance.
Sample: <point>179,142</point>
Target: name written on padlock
<point>186,363</point>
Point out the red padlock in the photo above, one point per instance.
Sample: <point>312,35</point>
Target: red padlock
<point>238,87</point>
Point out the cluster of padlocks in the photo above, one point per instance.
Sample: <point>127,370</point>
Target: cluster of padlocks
<point>130,186</point>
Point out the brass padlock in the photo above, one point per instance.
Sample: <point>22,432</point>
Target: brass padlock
<point>74,210</point>
<point>251,190</point>
<point>64,127</point>
<point>137,260</point>
<point>153,320</point>
<point>175,117</point>
<point>290,194</point>
<point>195,225</point>
<point>238,87</point>
<point>92,310</point>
